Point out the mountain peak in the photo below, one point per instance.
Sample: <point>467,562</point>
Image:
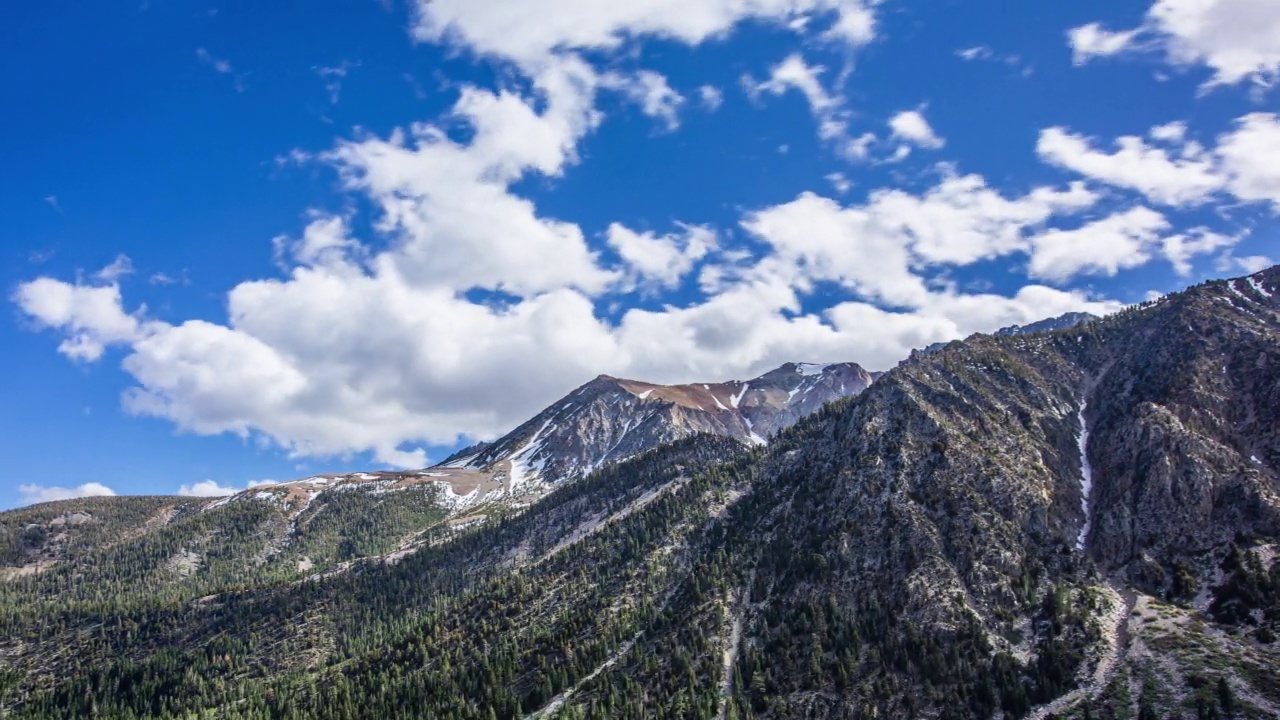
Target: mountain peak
<point>609,418</point>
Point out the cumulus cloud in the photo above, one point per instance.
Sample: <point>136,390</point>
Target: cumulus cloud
<point>1179,249</point>
<point>458,224</point>
<point>650,91</point>
<point>795,73</point>
<point>206,488</point>
<point>1164,176</point>
<point>1179,172</point>
<point>91,317</point>
<point>1250,158</point>
<point>711,97</point>
<point>1237,39</point>
<point>911,127</point>
<point>1103,247</point>
<point>962,220</point>
<point>839,182</point>
<point>120,267</point>
<point>662,259</point>
<point>32,494</point>
<point>1093,40</point>
<point>1227,262</point>
<point>815,240</point>
<point>529,31</point>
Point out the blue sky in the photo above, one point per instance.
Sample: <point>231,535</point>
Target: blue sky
<point>263,240</point>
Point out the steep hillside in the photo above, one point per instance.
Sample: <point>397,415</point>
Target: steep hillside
<point>1082,523</point>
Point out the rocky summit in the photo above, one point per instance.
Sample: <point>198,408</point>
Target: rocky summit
<point>610,419</point>
<point>1080,520</point>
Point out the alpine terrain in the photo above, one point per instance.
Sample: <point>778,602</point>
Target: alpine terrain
<point>1074,520</point>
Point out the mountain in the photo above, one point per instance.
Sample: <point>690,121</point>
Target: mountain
<point>610,419</point>
<point>325,523</point>
<point>1062,322</point>
<point>1082,523</point>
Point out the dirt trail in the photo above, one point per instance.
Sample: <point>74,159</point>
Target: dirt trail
<point>1117,642</point>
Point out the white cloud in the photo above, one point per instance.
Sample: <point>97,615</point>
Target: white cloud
<point>988,54</point>
<point>860,147</point>
<point>652,93</point>
<point>1174,132</point>
<point>326,242</point>
<point>710,97</point>
<point>219,65</point>
<point>90,316</point>
<point>120,267</point>
<point>449,206</point>
<point>1250,158</point>
<point>839,182</point>
<point>961,220</point>
<point>31,494</point>
<point>662,259</point>
<point>872,248</point>
<point>333,76</point>
<point>1245,162</point>
<point>1227,262</point>
<point>1237,39</point>
<point>1092,40</point>
<point>814,239</point>
<point>1179,249</point>
<point>910,126</point>
<point>1103,247</point>
<point>977,52</point>
<point>794,73</point>
<point>529,31</point>
<point>1153,171</point>
<point>206,488</point>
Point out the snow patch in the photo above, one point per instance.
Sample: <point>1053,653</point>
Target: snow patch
<point>645,395</point>
<point>1086,476</point>
<point>1258,286</point>
<point>219,503</point>
<point>810,369</point>
<point>751,434</point>
<point>735,399</point>
<point>455,502</point>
